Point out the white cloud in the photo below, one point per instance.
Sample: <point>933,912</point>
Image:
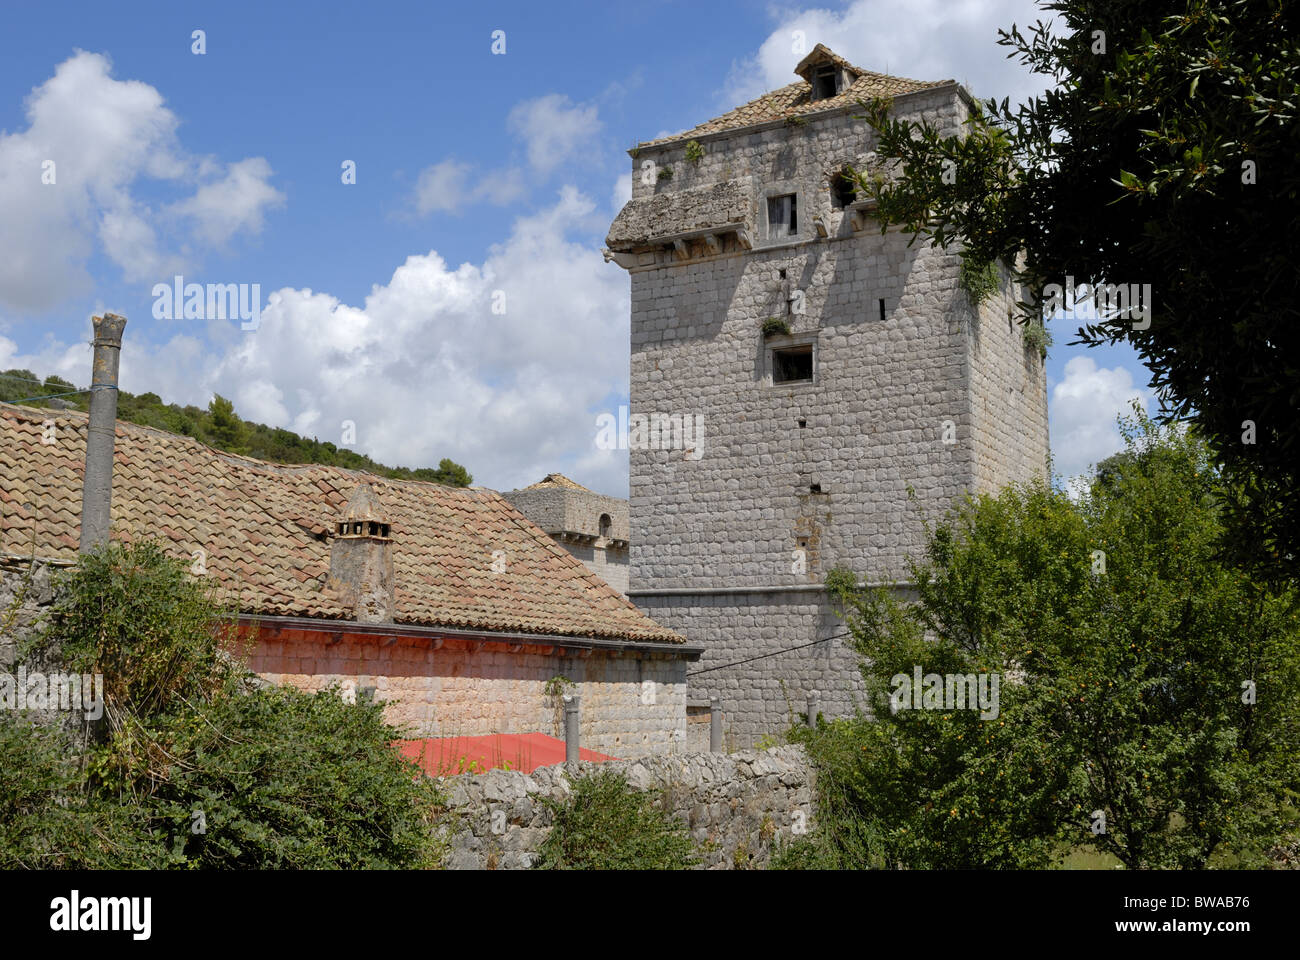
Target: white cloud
<point>445,187</point>
<point>426,370</point>
<point>622,191</point>
<point>238,202</point>
<point>1083,412</point>
<point>554,130</point>
<point>103,136</point>
<point>935,40</point>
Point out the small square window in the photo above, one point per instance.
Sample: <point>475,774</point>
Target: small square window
<point>782,216</point>
<point>792,365</point>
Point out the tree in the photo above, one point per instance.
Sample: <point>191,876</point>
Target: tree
<point>1167,153</point>
<point>1147,700</point>
<point>225,428</point>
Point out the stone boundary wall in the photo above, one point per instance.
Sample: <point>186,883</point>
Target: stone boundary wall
<point>26,592</point>
<point>735,805</point>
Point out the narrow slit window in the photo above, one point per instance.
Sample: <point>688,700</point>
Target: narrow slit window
<point>792,365</point>
<point>782,216</point>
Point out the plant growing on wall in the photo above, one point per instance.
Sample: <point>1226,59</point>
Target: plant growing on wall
<point>774,326</point>
<point>604,824</point>
<point>694,152</point>
<point>1037,336</point>
<point>555,689</point>
<point>665,173</point>
<point>980,281</point>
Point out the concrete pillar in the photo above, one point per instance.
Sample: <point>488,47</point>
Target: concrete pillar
<point>715,725</point>
<point>572,705</point>
<point>814,707</point>
<point>97,484</point>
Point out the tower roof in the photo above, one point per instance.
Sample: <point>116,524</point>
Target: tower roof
<point>556,480</point>
<point>796,100</point>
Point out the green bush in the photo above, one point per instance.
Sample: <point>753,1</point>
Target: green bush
<point>50,821</point>
<point>193,771</point>
<point>1142,677</point>
<point>135,615</point>
<point>773,326</point>
<point>606,825</point>
<point>279,779</point>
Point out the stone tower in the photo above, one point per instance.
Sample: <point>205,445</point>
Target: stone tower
<point>589,525</point>
<point>827,368</point>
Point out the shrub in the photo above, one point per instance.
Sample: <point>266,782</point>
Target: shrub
<point>1143,680</point>
<point>135,615</point>
<point>194,771</point>
<point>279,779</point>
<point>606,825</point>
<point>48,820</point>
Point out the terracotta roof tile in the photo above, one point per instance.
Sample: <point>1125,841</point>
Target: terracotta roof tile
<point>796,100</point>
<point>264,529</point>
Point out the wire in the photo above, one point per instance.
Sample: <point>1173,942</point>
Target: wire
<point>11,376</point>
<point>763,656</point>
<point>74,393</point>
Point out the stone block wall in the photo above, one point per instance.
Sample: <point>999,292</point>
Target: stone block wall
<point>26,591</point>
<point>1009,397</point>
<point>736,806</point>
<point>572,518</point>
<point>917,398</point>
<point>631,706</point>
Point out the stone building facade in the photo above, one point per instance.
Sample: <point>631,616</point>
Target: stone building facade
<point>847,385</point>
<point>591,526</point>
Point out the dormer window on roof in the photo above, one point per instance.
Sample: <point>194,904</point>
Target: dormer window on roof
<point>826,82</point>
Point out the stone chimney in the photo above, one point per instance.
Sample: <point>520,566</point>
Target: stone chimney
<point>361,558</point>
<point>97,486</point>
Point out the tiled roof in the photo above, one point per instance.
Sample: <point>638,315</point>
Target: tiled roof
<point>554,480</point>
<point>795,100</point>
<point>265,531</point>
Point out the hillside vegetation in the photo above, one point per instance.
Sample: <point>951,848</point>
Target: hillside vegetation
<point>220,427</point>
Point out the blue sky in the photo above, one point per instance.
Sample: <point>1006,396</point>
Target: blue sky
<point>475,173</point>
